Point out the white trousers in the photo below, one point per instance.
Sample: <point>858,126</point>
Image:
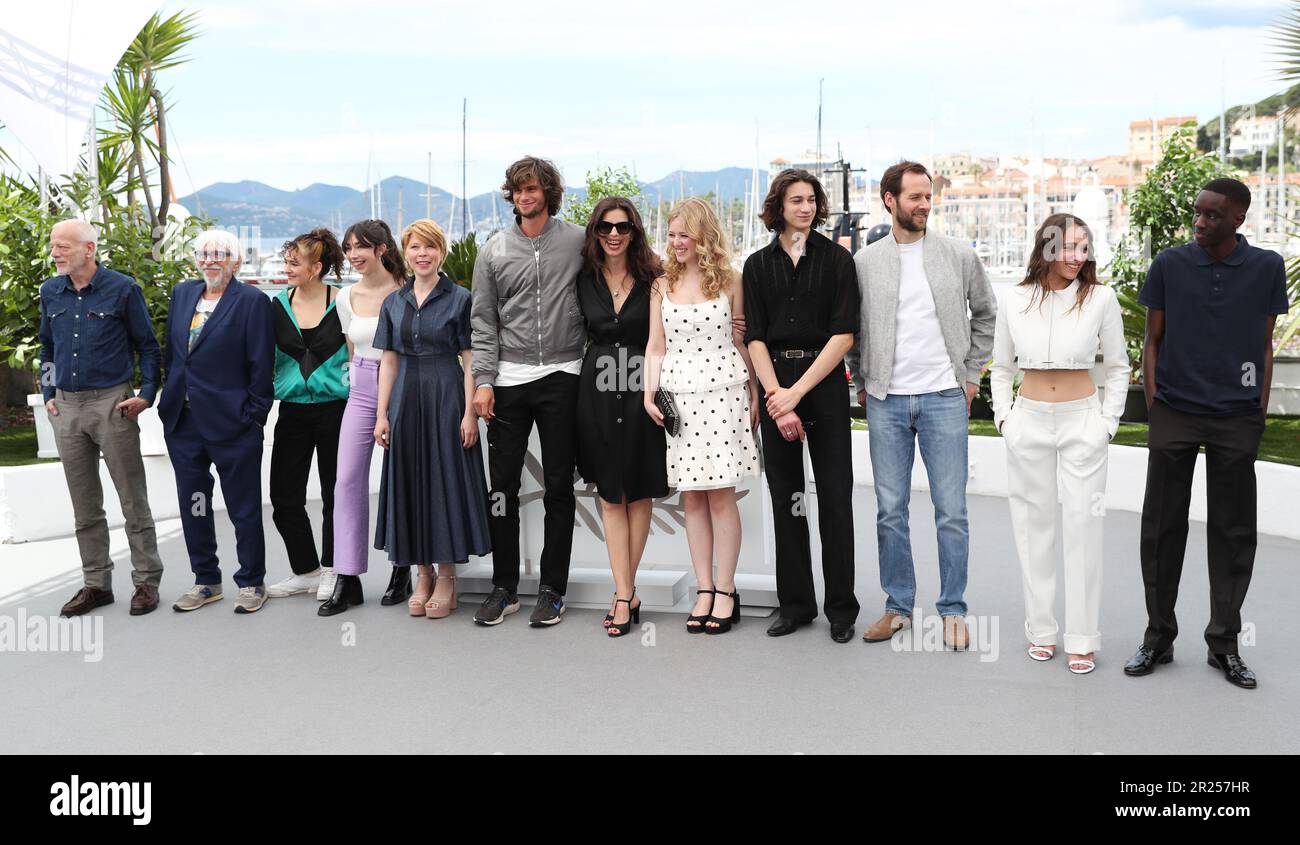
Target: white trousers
<point>1050,444</point>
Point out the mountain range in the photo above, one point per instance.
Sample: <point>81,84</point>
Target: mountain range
<point>283,214</point>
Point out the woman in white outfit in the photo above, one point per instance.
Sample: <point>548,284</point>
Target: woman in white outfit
<point>697,354</point>
<point>1050,326</point>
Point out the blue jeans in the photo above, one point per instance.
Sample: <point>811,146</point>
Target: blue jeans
<point>895,425</point>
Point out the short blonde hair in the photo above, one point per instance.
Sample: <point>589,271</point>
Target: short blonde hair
<point>426,231</point>
<point>710,245</point>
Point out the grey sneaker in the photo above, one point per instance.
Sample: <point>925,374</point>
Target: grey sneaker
<point>549,610</point>
<point>199,595</point>
<point>499,604</point>
<point>250,599</point>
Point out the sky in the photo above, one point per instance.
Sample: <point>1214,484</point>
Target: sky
<point>301,91</point>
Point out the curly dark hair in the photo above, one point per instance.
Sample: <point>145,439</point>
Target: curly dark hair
<point>774,206</point>
<point>546,174</point>
<point>642,263</point>
<point>319,245</point>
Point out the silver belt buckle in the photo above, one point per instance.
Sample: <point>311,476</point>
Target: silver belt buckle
<point>794,353</point>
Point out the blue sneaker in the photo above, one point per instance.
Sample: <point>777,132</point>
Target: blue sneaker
<point>499,604</point>
<point>549,610</point>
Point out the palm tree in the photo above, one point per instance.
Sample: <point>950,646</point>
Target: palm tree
<point>1286,36</point>
<point>139,109</point>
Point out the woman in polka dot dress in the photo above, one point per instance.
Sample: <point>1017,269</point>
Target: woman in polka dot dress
<point>696,354</point>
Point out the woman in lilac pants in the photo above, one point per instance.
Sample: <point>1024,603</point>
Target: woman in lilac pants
<point>373,252</point>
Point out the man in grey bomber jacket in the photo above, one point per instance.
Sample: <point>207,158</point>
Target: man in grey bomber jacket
<point>928,313</point>
<point>528,337</point>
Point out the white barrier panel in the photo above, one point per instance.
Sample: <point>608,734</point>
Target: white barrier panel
<point>34,502</point>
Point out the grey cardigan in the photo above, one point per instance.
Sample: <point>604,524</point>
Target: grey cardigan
<point>525,303</point>
<point>963,299</point>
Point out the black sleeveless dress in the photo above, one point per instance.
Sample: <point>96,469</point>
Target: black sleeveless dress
<point>620,449</point>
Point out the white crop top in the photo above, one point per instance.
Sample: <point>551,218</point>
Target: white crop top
<point>359,330</point>
<point>1048,338</point>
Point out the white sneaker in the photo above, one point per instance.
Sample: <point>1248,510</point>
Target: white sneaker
<point>326,587</point>
<point>295,585</point>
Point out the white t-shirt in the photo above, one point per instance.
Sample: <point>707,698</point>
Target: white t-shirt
<point>921,362</point>
<point>359,330</point>
<point>510,374</point>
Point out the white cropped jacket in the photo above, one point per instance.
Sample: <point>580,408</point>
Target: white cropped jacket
<point>1049,338</point>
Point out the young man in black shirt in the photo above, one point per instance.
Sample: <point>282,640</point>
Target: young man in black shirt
<point>1207,364</point>
<point>801,310</point>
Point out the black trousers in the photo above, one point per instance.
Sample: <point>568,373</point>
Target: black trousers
<point>301,431</point>
<point>552,403</point>
<point>825,415</point>
<point>1231,446</point>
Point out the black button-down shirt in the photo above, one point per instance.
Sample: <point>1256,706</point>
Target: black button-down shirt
<point>90,337</point>
<point>800,307</point>
<point>1211,360</point>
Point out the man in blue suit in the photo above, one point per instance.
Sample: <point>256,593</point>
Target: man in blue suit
<point>217,364</point>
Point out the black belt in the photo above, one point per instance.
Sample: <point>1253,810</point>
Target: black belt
<point>796,353</point>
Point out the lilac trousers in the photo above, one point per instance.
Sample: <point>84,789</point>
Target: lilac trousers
<point>352,485</point>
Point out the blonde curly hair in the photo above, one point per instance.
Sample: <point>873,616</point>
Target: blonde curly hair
<point>710,246</point>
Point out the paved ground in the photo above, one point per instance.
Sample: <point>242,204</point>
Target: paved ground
<point>375,680</point>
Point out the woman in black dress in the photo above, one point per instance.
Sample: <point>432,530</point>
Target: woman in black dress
<point>620,449</point>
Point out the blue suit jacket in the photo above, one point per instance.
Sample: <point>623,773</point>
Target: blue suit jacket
<point>228,375</point>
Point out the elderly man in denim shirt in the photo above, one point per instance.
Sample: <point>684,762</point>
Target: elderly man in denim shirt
<point>94,324</point>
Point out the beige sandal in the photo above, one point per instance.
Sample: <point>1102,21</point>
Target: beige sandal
<point>441,608</point>
<point>416,603</point>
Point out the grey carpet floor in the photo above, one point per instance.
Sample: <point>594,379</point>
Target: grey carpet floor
<point>375,680</point>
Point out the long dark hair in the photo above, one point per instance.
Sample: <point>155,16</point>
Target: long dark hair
<point>1048,243</point>
<point>642,263</point>
<point>371,234</point>
<point>773,215</point>
<point>319,245</point>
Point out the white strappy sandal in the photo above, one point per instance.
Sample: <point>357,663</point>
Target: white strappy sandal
<point>1086,664</point>
<point>1041,653</point>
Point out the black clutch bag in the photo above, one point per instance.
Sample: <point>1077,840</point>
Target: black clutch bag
<point>667,406</point>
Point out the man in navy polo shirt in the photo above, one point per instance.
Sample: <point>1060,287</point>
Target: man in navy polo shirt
<point>1207,365</point>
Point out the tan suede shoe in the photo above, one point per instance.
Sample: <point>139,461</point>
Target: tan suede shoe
<point>885,627</point>
<point>955,635</point>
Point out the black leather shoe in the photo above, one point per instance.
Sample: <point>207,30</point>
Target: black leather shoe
<point>1146,660</point>
<point>841,632</point>
<point>1234,669</point>
<point>399,587</point>
<point>347,592</point>
<point>783,626</point>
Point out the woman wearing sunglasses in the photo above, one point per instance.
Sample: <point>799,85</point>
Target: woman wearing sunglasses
<point>620,449</point>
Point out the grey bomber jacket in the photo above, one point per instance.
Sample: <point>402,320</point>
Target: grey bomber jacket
<point>525,301</point>
<point>963,299</point>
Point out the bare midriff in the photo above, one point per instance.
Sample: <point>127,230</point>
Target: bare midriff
<point>1057,385</point>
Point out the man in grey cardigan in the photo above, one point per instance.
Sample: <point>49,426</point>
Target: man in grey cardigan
<point>927,331</point>
<point>528,337</point>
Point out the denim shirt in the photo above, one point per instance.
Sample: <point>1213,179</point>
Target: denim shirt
<point>89,338</point>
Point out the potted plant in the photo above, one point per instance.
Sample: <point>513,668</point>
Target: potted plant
<point>1160,216</point>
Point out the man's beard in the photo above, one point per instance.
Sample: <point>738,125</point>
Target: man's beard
<point>908,224</point>
<point>220,282</point>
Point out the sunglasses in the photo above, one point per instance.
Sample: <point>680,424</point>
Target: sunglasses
<point>603,228</point>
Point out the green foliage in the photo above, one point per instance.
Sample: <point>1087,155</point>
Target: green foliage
<point>142,241</point>
<point>1160,217</point>
<point>460,260</point>
<point>606,182</point>
<point>1287,40</point>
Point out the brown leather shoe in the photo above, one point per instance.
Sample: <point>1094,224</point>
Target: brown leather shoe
<point>144,601</point>
<point>955,635</point>
<point>86,600</point>
<point>885,627</point>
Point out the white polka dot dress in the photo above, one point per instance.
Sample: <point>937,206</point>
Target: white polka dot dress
<point>706,375</point>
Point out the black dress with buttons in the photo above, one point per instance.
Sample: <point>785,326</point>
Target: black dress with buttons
<point>620,448</point>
